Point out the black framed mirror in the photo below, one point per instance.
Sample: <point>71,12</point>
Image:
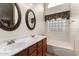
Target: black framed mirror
<point>10,16</point>
<point>30,19</point>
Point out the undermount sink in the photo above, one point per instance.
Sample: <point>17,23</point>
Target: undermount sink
<point>36,36</point>
<point>24,39</point>
<point>30,38</point>
<point>12,47</point>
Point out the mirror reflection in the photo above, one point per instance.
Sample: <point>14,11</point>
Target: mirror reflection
<point>10,16</point>
<point>15,15</point>
<point>31,19</point>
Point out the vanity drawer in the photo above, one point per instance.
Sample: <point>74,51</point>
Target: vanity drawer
<point>32,48</point>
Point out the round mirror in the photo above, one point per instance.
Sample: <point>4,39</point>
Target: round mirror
<point>10,17</point>
<point>30,19</point>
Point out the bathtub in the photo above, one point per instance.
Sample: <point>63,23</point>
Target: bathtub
<point>59,48</point>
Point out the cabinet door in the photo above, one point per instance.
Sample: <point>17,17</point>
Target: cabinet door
<point>44,47</point>
<point>39,48</point>
<point>34,53</point>
<point>32,48</point>
<point>40,53</point>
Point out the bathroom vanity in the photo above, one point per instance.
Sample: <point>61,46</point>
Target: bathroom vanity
<point>37,49</point>
<point>25,46</point>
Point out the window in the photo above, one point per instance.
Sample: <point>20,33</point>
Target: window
<point>58,25</point>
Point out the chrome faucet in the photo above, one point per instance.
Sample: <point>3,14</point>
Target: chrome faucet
<point>10,42</point>
<point>33,36</point>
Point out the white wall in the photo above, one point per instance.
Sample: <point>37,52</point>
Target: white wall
<point>22,30</point>
<point>59,36</point>
<point>75,26</point>
<point>56,9</point>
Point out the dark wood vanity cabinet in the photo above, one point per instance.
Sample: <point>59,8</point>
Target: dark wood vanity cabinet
<point>40,48</point>
<point>32,50</point>
<point>44,47</point>
<point>37,49</point>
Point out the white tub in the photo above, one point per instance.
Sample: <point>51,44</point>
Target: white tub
<point>59,48</point>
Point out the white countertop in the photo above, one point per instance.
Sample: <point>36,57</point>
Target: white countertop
<point>19,45</point>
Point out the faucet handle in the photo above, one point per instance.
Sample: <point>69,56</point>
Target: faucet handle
<point>33,35</point>
<point>13,41</point>
<point>10,42</point>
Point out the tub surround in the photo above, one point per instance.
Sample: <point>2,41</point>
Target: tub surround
<point>20,45</point>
